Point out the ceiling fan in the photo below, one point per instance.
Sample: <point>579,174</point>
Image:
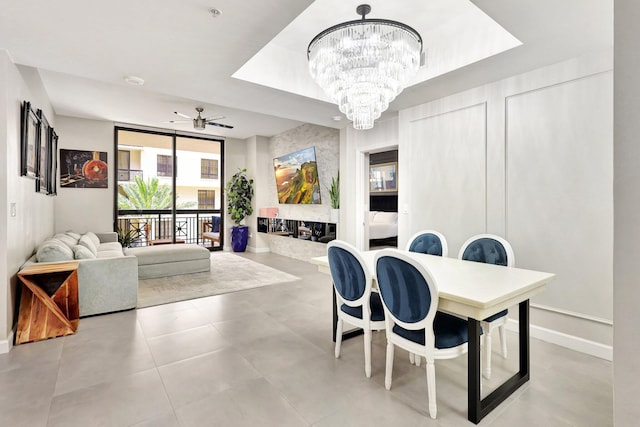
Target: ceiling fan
<point>200,122</point>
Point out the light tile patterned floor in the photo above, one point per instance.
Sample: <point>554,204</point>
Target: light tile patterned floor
<point>264,357</point>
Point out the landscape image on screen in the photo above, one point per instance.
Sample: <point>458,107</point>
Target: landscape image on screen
<point>297,177</point>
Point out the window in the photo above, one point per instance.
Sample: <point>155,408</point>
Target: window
<point>206,199</point>
<point>208,169</point>
<point>124,165</point>
<point>165,165</point>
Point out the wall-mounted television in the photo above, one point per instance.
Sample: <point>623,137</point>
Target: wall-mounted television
<point>297,177</point>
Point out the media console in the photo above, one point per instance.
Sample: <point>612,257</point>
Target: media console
<point>313,231</point>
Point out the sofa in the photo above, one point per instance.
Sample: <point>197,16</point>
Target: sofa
<point>107,278</point>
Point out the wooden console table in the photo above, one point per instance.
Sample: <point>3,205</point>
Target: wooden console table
<point>49,302</point>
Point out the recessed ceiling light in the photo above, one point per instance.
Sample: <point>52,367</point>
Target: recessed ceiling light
<point>337,118</point>
<point>134,80</point>
<point>215,12</point>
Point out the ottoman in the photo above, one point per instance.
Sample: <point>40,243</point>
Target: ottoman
<point>170,260</point>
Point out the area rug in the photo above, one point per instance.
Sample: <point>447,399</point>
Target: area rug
<point>229,273</point>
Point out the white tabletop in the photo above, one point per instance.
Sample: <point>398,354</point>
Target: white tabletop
<point>469,288</point>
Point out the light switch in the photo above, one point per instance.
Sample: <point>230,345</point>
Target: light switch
<point>12,209</point>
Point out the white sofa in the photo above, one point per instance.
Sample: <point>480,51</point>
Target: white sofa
<point>107,278</point>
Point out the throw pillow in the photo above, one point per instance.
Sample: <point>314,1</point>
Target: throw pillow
<point>88,243</point>
<point>93,237</point>
<point>66,239</point>
<point>82,252</point>
<point>53,250</point>
<point>215,224</point>
<point>73,234</point>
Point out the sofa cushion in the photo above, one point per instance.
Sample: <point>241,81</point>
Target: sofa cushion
<point>110,246</point>
<point>88,243</point>
<point>95,239</point>
<point>82,252</point>
<point>53,250</point>
<point>66,239</point>
<point>110,253</point>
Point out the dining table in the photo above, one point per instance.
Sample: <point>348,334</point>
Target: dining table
<point>475,291</point>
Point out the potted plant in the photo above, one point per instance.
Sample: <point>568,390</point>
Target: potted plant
<point>125,238</point>
<point>239,191</point>
<point>334,195</point>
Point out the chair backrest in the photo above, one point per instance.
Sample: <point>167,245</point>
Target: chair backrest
<point>428,242</point>
<point>351,278</point>
<point>408,291</point>
<point>489,249</point>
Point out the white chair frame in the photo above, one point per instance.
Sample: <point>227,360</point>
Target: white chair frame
<point>501,322</point>
<point>445,252</point>
<point>428,351</point>
<point>365,323</point>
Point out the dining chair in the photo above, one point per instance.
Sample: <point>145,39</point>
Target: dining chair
<point>356,303</point>
<point>429,242</point>
<point>410,299</point>
<point>490,249</point>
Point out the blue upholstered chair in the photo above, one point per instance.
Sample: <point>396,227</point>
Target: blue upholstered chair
<point>356,304</point>
<point>490,249</point>
<point>428,242</point>
<point>410,300</point>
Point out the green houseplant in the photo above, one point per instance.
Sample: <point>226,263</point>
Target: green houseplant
<point>239,191</point>
<point>334,195</point>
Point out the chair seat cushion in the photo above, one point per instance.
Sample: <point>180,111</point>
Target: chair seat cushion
<point>450,331</point>
<point>377,312</point>
<point>496,316</point>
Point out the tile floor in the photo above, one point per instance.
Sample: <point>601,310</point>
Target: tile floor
<point>264,357</point>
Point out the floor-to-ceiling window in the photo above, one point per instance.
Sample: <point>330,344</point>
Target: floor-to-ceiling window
<point>169,188</point>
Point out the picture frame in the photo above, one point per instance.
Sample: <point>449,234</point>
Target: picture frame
<point>43,172</point>
<point>383,178</point>
<point>29,139</point>
<point>53,182</point>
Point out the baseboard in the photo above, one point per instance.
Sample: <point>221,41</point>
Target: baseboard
<point>565,340</point>
<point>258,250</point>
<point>5,345</point>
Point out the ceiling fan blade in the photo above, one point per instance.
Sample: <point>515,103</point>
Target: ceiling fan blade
<point>183,115</point>
<point>219,125</point>
<point>218,117</point>
<point>178,121</point>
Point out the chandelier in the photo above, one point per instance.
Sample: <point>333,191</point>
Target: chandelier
<point>362,65</point>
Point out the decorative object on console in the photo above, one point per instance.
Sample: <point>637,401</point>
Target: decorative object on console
<point>334,194</point>
<point>362,65</point>
<point>312,231</point>
<point>268,212</point>
<point>239,195</point>
<point>29,135</point>
<point>297,177</point>
<point>83,169</point>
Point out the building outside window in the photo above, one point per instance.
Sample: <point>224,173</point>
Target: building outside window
<point>206,199</point>
<point>165,165</point>
<point>208,168</point>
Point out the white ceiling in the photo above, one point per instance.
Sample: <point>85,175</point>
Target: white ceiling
<point>84,49</point>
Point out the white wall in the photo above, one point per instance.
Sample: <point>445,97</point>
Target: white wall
<point>258,159</point>
<point>626,386</point>
<point>34,218</point>
<point>86,209</point>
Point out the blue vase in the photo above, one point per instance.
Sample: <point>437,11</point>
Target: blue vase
<point>239,237</point>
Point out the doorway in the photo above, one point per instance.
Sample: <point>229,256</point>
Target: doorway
<point>383,199</point>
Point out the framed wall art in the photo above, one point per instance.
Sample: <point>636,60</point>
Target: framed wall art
<point>383,178</point>
<point>83,169</point>
<point>43,172</point>
<point>29,138</point>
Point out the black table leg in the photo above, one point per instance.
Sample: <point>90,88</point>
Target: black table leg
<point>479,408</point>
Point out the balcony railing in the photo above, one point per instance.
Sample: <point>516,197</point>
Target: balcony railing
<point>128,174</point>
<point>150,227</point>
